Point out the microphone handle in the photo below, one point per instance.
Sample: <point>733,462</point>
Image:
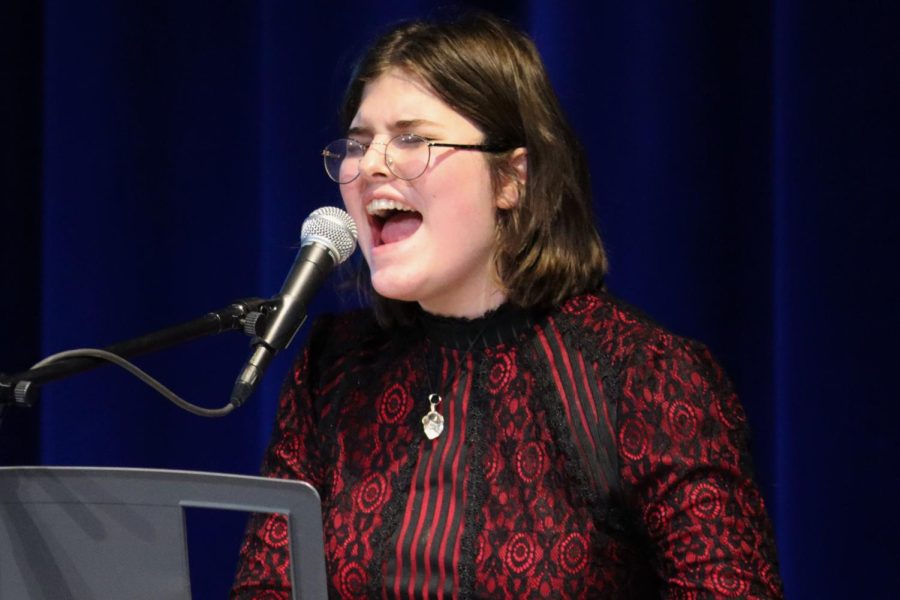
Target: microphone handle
<point>311,267</point>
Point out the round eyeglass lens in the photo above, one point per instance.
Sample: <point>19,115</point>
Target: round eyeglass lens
<point>407,155</point>
<point>341,158</point>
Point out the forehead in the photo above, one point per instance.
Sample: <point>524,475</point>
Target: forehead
<point>398,96</point>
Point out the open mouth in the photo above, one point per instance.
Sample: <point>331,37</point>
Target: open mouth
<point>392,221</point>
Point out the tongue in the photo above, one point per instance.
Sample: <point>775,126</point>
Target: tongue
<point>400,226</point>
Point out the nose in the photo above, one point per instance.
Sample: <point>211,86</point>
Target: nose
<point>373,165</point>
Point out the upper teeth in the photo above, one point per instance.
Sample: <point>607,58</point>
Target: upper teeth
<point>380,206</point>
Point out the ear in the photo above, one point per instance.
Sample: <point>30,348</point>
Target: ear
<point>514,186</point>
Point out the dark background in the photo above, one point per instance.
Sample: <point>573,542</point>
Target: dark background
<point>157,160</point>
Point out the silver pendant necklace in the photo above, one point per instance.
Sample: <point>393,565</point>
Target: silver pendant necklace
<point>433,421</point>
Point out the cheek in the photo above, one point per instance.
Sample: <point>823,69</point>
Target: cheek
<point>353,203</point>
<point>351,198</point>
<point>463,198</point>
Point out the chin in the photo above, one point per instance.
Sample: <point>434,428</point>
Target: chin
<point>389,288</point>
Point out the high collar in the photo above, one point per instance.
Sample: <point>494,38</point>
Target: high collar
<point>503,325</point>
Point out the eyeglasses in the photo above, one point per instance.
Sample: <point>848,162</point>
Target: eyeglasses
<point>406,156</point>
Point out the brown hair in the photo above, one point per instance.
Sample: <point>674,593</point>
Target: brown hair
<point>489,72</point>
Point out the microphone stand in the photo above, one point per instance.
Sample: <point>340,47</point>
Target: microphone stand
<point>22,389</point>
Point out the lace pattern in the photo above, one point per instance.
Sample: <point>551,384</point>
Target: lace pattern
<point>607,457</point>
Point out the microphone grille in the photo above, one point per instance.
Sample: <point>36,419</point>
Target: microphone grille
<point>333,228</point>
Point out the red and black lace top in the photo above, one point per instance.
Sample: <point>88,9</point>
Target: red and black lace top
<point>586,453</point>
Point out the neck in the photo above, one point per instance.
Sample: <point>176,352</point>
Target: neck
<point>473,309</point>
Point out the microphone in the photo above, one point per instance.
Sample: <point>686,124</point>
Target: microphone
<point>327,238</point>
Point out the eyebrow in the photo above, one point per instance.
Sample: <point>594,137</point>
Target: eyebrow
<point>401,125</point>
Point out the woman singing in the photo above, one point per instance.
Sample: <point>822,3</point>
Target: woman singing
<point>496,425</point>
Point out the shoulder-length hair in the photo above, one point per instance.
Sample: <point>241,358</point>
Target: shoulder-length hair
<point>547,247</point>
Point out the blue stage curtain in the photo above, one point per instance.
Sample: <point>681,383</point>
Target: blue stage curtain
<point>159,158</point>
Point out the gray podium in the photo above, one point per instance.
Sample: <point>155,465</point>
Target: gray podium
<point>98,534</point>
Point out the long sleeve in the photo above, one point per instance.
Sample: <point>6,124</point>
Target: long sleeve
<point>293,453</point>
<point>684,458</point>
